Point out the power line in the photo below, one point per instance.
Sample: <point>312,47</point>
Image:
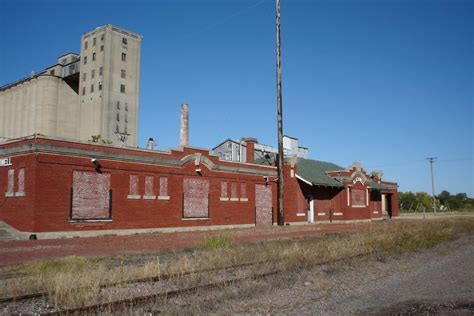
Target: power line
<point>410,162</point>
<point>456,159</point>
<point>227,18</point>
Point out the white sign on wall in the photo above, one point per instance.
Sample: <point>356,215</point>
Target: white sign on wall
<point>5,162</point>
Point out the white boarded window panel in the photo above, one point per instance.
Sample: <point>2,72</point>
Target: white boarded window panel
<point>11,182</point>
<point>91,195</point>
<point>21,180</point>
<point>223,189</point>
<point>133,185</point>
<point>21,183</point>
<point>233,190</point>
<point>263,205</point>
<point>133,191</point>
<point>196,198</point>
<point>163,186</point>
<point>149,186</point>
<point>358,197</point>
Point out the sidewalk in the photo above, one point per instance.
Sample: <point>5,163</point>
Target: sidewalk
<point>23,251</point>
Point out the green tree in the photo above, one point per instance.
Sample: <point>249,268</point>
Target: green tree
<point>407,200</point>
<point>456,202</point>
<point>424,199</point>
<point>444,196</point>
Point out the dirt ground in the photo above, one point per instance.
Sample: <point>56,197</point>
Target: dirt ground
<point>23,251</point>
<point>436,281</point>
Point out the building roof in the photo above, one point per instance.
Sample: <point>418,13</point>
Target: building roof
<point>314,172</point>
<point>375,185</point>
<point>225,141</point>
<point>70,53</point>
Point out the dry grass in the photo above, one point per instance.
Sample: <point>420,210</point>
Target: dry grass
<point>77,281</point>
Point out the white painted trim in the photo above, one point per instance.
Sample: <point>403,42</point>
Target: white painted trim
<point>134,197</point>
<point>348,197</point>
<point>321,214</point>
<point>20,194</point>
<point>292,173</point>
<point>337,214</point>
<point>195,219</point>
<point>244,199</point>
<point>163,197</point>
<point>311,211</point>
<point>300,214</point>
<point>78,221</point>
<point>358,206</point>
<point>305,181</point>
<point>224,199</point>
<point>367,197</point>
<point>9,194</point>
<point>234,199</point>
<point>149,197</point>
<point>375,212</point>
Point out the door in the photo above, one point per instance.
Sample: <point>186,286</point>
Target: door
<point>311,210</point>
<point>263,206</point>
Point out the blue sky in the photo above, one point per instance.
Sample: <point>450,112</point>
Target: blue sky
<point>386,83</point>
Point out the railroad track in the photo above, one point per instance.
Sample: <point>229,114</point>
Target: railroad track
<point>117,305</point>
<point>130,302</point>
<point>19,298</point>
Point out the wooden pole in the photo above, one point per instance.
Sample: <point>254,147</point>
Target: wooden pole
<point>431,160</point>
<point>279,118</point>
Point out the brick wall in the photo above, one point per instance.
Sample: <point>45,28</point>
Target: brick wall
<point>47,203</point>
<point>17,207</point>
<point>158,197</point>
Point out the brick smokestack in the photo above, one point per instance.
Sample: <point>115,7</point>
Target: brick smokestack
<point>184,134</point>
<point>250,142</point>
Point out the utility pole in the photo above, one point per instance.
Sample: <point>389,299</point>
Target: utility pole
<point>279,118</point>
<point>431,160</point>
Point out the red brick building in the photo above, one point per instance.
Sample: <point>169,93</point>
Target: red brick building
<point>319,191</point>
<point>55,188</point>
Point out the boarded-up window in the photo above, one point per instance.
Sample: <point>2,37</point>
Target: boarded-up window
<point>133,192</point>
<point>358,197</point>
<point>21,182</point>
<point>10,183</point>
<point>90,195</point>
<point>243,191</point>
<point>233,191</point>
<point>196,198</point>
<point>223,189</point>
<point>149,194</point>
<point>163,186</point>
<point>263,205</point>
